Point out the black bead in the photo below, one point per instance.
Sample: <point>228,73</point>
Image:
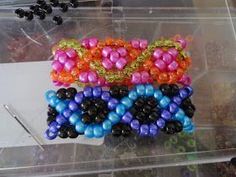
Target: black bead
<point>64,7</point>
<point>85,104</point>
<point>115,92</point>
<point>186,103</point>
<point>139,102</point>
<point>20,13</point>
<point>172,127</point>
<point>116,130</point>
<point>54,3</point>
<point>133,111</point>
<point>105,111</point>
<point>72,132</point>
<point>147,109</point>
<point>151,101</point>
<point>178,126</point>
<point>41,14</point>
<point>61,93</point>
<point>71,92</point>
<point>165,89</point>
<point>153,116</point>
<point>29,15</point>
<point>41,2</point>
<point>47,8</point>
<point>174,89</point>
<point>58,20</point>
<point>52,113</point>
<point>100,118</point>
<point>62,134</point>
<point>189,112</point>
<point>141,116</point>
<point>157,110</point>
<point>92,111</point>
<point>233,161</point>
<point>126,130</point>
<point>86,119</point>
<point>74,4</point>
<point>50,119</point>
<point>34,7</point>
<point>100,104</point>
<point>123,91</point>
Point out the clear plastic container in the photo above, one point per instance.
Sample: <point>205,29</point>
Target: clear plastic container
<point>210,26</point>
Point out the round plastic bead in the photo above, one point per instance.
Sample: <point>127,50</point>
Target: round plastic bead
<point>107,125</point>
<point>158,94</point>
<point>149,90</point>
<point>60,107</point>
<point>127,102</point>
<point>98,131</point>
<point>140,89</point>
<point>164,102</point>
<point>74,118</point>
<point>80,127</point>
<point>89,131</point>
<point>133,95</point>
<point>113,117</point>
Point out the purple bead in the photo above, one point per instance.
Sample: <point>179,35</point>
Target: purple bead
<point>73,105</point>
<point>160,64</point>
<point>135,124</point>
<point>144,129</point>
<point>61,119</point>
<point>92,77</point>
<point>160,123</point>
<point>183,93</point>
<point>177,100</point>
<point>106,63</point>
<point>97,91</point>
<point>79,97</point>
<point>173,108</point>
<point>122,51</point>
<point>127,118</point>
<point>106,51</point>
<point>166,115</point>
<point>153,129</point>
<point>106,96</point>
<point>112,103</point>
<point>67,113</point>
<point>50,135</point>
<point>88,91</point>
<point>53,127</point>
<point>189,90</point>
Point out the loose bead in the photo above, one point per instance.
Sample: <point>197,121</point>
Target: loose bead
<point>122,51</point>
<point>164,102</point>
<point>107,125</point>
<point>88,91</point>
<point>89,131</point>
<point>61,119</point>
<point>133,95</point>
<point>106,51</point>
<point>113,117</point>
<point>74,118</point>
<point>167,58</point>
<point>149,90</point>
<point>127,117</point>
<point>60,107</point>
<point>157,54</point>
<point>92,77</point>
<point>106,96</point>
<point>135,124</point>
<point>73,105</point>
<point>140,89</point>
<point>98,131</point>
<point>166,115</point>
<point>120,109</point>
<point>160,64</point>
<point>106,63</point>
<point>126,102</point>
<point>112,103</point>
<point>57,66</point>
<point>120,64</point>
<point>83,77</point>
<point>158,95</point>
<point>160,123</point>
<point>79,97</point>
<point>144,129</point>
<point>80,127</point>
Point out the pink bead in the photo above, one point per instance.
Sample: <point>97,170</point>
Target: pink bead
<point>182,42</point>
<point>83,77</point>
<point>85,43</point>
<point>71,53</point>
<point>167,58</point>
<point>106,51</point>
<point>93,42</point>
<point>143,43</point>
<point>185,80</point>
<point>106,63</point>
<point>160,64</point>
<point>66,85</point>
<point>92,77</point>
<point>135,43</point>
<point>158,53</point>
<point>173,52</point>
<point>101,81</point>
<point>136,78</point>
<point>62,58</point>
<point>69,65</point>
<point>122,51</point>
<point>57,66</point>
<point>114,56</point>
<point>57,83</point>
<point>57,54</point>
<point>144,76</point>
<point>173,66</point>
<point>120,64</point>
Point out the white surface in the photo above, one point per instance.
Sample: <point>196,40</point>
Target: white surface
<point>22,86</point>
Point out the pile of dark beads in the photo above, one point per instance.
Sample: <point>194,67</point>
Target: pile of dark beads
<point>119,91</point>
<point>42,8</point>
<point>121,130</point>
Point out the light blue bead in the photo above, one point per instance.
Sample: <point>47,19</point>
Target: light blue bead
<point>98,131</point>
<point>49,94</point>
<point>187,121</point>
<point>61,106</point>
<point>74,118</point>
<point>89,131</point>
<point>133,95</point>
<point>140,89</point>
<point>53,101</point>
<point>149,91</point>
<point>127,102</point>
<point>158,94</point>
<point>107,132</point>
<point>120,109</point>
<point>107,125</point>
<point>164,102</point>
<point>80,127</point>
<point>189,129</point>
<point>180,116</point>
<point>113,117</point>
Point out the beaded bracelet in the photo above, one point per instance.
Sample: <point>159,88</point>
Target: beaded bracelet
<point>112,61</point>
<point>96,111</point>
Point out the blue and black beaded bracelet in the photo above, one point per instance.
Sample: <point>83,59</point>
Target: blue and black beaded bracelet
<point>96,112</point>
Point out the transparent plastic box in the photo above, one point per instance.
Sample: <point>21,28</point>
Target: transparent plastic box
<point>208,24</point>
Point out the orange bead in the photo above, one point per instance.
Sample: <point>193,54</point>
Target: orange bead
<point>154,71</point>
<point>95,52</point>
<point>172,78</point>
<point>134,54</point>
<point>148,64</point>
<point>120,42</point>
<point>53,75</point>
<point>75,72</point>
<point>163,77</point>
<point>109,41</point>
<point>183,64</point>
<point>179,72</point>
